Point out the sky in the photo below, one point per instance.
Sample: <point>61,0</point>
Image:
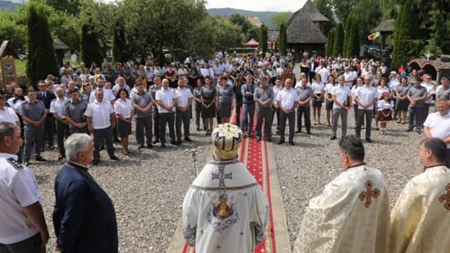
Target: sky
<point>257,5</point>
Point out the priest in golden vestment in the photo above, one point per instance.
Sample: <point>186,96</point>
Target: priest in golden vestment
<point>352,215</point>
<point>421,218</point>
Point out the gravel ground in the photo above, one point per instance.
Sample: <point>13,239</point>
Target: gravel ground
<point>148,187</point>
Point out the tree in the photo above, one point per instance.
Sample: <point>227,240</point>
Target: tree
<point>119,44</point>
<point>405,35</point>
<point>329,45</point>
<point>353,42</point>
<point>280,18</point>
<point>282,40</point>
<point>68,6</point>
<point>343,8</point>
<point>338,42</point>
<point>439,38</point>
<point>241,21</point>
<point>40,51</point>
<point>368,16</point>
<point>66,28</point>
<point>91,50</point>
<point>263,32</point>
<point>13,31</point>
<point>348,26</point>
<point>325,7</point>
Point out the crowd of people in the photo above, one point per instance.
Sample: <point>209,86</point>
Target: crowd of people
<point>104,102</point>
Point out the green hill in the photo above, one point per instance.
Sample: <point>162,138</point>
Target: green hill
<point>264,16</point>
<point>9,6</point>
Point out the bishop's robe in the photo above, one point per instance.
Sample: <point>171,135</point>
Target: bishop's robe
<point>225,210</point>
<point>420,220</point>
<point>351,215</point>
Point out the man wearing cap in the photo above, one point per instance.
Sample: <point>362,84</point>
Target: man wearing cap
<point>225,208</point>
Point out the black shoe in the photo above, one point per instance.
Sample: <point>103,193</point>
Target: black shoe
<point>115,158</point>
<point>149,146</point>
<point>102,148</point>
<point>95,162</point>
<point>51,147</point>
<point>177,143</point>
<point>187,139</point>
<point>163,145</point>
<point>280,142</point>
<point>308,132</point>
<point>292,143</point>
<point>333,138</point>
<point>269,139</point>
<point>60,157</point>
<point>198,129</point>
<point>155,141</point>
<point>409,130</point>
<point>141,147</point>
<point>418,131</point>
<point>40,158</point>
<point>116,140</point>
<point>27,164</point>
<point>278,132</point>
<point>258,138</point>
<point>298,131</point>
<point>369,140</point>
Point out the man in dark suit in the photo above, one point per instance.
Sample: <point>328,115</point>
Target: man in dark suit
<point>46,95</point>
<point>312,68</point>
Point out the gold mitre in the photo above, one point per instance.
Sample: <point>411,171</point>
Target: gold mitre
<point>226,139</point>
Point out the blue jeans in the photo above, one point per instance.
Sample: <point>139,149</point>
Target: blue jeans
<point>248,112</point>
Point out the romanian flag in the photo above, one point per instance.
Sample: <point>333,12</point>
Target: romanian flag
<point>374,35</point>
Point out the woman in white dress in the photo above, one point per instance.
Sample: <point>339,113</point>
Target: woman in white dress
<point>384,113</point>
<point>329,100</point>
<point>381,89</point>
<point>124,113</point>
<point>318,89</point>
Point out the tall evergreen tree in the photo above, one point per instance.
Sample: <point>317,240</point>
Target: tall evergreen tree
<point>405,35</point>
<point>90,46</point>
<point>119,45</point>
<point>263,33</point>
<point>282,40</point>
<point>353,42</point>
<point>40,51</point>
<point>347,28</point>
<point>338,43</point>
<point>439,38</point>
<point>329,45</point>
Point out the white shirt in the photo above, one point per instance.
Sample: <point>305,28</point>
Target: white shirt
<point>8,115</point>
<point>430,90</point>
<point>341,93</point>
<point>206,72</point>
<point>318,88</point>
<point>349,77</point>
<point>324,74</point>
<point>100,113</point>
<point>166,97</point>
<point>383,105</point>
<point>182,96</point>
<point>439,125</point>
<point>381,90</point>
<point>17,105</point>
<point>123,107</point>
<point>329,88</point>
<point>107,95</point>
<point>288,98</point>
<point>366,95</point>
<point>18,189</point>
<point>57,105</point>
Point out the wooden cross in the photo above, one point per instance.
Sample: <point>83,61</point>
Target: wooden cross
<point>446,197</point>
<point>369,194</point>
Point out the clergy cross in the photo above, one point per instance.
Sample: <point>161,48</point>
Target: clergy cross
<point>428,55</point>
<point>446,197</point>
<point>369,194</point>
<point>222,176</point>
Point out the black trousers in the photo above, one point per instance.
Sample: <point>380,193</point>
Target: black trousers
<point>164,120</point>
<point>144,127</point>
<point>264,114</point>
<point>49,131</point>
<point>277,112</point>
<point>182,118</point>
<point>283,118</point>
<point>30,245</point>
<point>156,124</point>
<point>103,136</point>
<point>62,131</point>
<point>306,111</point>
<point>237,107</point>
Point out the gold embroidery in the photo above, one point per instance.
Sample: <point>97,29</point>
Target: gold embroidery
<point>446,197</point>
<point>367,195</point>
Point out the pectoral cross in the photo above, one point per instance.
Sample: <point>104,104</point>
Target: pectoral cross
<point>446,197</point>
<point>222,176</point>
<point>369,194</point>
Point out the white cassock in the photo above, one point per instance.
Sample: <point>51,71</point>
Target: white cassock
<point>421,217</point>
<point>225,210</point>
<point>351,216</point>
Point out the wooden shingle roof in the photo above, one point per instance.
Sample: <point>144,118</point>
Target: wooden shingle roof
<point>302,30</point>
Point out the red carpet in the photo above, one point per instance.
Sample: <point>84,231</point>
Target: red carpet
<point>252,156</point>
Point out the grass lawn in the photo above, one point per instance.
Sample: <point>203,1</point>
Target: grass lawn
<point>21,66</point>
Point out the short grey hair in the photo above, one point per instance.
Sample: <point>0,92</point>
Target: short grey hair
<point>75,144</point>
